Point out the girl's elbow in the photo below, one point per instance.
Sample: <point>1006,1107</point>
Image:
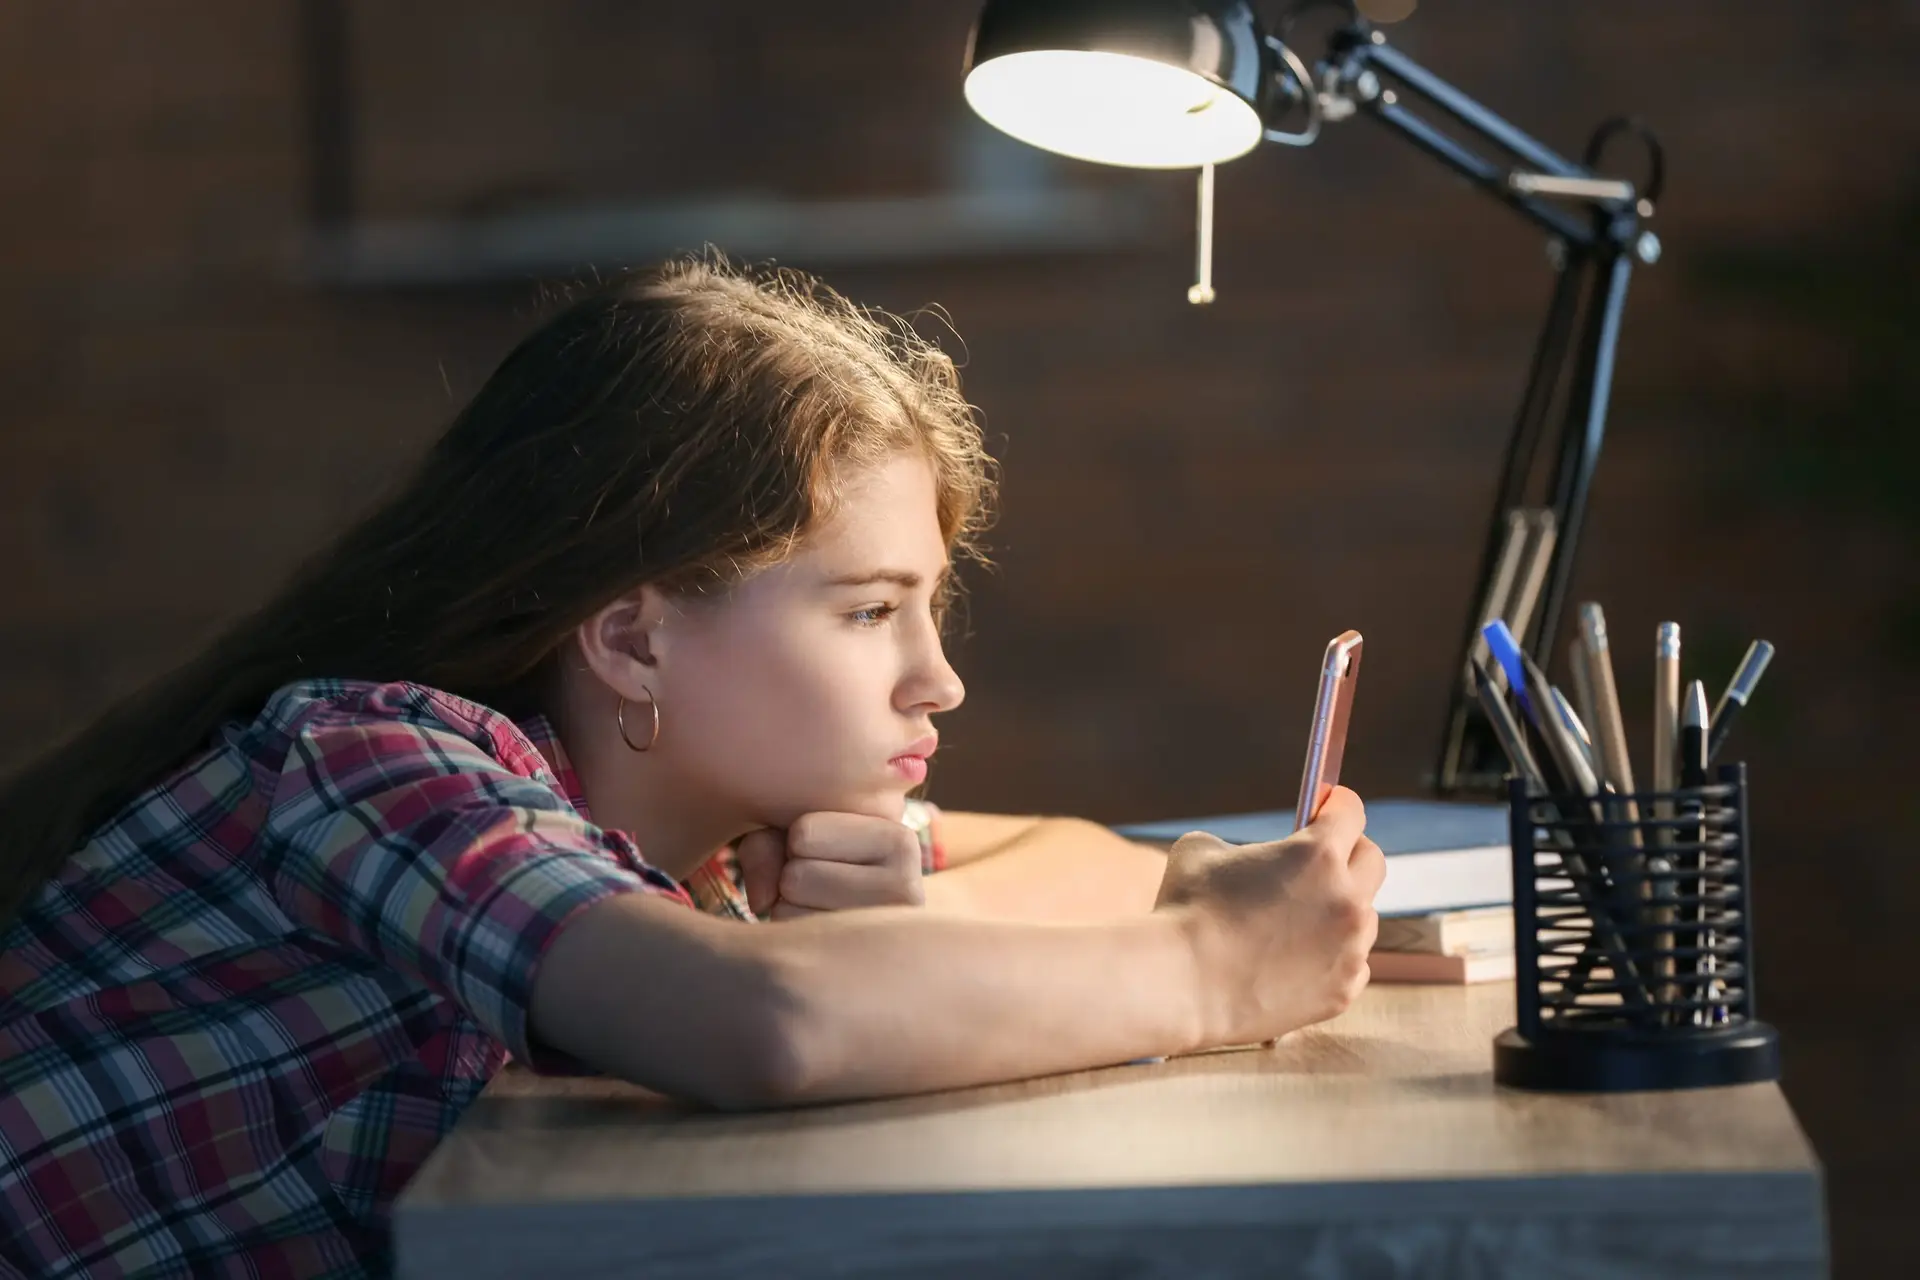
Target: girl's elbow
<point>770,1070</point>
<point>781,1052</point>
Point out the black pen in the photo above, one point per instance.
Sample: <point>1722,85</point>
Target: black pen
<point>1693,735</point>
<point>1693,774</point>
<point>1734,700</point>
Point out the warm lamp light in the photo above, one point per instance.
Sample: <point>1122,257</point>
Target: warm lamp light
<point>1113,108</point>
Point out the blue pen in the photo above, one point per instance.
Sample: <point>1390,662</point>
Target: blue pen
<point>1506,651</point>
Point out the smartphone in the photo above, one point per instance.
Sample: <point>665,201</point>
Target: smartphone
<point>1328,741</point>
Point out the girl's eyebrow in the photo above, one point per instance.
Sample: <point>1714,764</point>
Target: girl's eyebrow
<point>903,578</point>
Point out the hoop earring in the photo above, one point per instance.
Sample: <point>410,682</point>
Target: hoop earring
<point>620,719</point>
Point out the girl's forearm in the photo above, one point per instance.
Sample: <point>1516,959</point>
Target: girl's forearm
<point>1059,870</point>
<point>857,1003</point>
<point>895,1000</point>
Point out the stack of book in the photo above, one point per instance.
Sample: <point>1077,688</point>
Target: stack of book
<point>1472,945</point>
<point>1446,909</point>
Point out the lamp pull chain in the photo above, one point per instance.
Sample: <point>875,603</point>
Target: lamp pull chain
<point>1202,292</point>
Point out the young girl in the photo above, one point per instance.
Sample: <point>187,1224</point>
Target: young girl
<point>654,627</point>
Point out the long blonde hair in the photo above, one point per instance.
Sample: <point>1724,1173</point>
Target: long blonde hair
<point>681,427</point>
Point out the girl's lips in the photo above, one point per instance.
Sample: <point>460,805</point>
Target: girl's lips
<point>912,768</point>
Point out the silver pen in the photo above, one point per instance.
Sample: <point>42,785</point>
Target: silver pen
<point>1734,700</point>
<point>1666,716</point>
<point>1588,777</point>
<point>1666,750</point>
<point>1693,774</point>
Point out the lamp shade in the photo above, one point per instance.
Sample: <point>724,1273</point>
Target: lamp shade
<point>1152,84</point>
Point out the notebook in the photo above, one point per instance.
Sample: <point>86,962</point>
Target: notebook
<point>1441,855</point>
<point>1418,966</point>
<point>1448,933</point>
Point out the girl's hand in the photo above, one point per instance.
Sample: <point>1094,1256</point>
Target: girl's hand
<point>830,862</point>
<point>1280,931</point>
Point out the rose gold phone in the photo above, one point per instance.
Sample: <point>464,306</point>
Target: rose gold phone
<point>1329,739</point>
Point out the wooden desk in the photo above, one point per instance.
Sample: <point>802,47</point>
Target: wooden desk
<point>1374,1145</point>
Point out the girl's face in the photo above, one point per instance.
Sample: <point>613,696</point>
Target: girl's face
<point>813,685</point>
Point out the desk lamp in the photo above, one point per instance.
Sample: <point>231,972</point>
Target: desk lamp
<point>1188,84</point>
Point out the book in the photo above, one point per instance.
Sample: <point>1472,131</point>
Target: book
<point>1441,855</point>
<point>1425,966</point>
<point>1448,933</point>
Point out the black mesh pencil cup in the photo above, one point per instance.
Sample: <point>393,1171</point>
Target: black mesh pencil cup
<point>1633,944</point>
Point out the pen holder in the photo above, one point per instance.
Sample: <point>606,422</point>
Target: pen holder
<point>1633,942</point>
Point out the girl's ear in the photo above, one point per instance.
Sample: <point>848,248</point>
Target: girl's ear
<point>622,643</point>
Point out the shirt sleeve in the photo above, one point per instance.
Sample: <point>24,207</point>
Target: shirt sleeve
<point>923,817</point>
<point>411,844</point>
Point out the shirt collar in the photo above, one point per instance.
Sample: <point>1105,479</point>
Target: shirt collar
<point>539,731</point>
<point>716,886</point>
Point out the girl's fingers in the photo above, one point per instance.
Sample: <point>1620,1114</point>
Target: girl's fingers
<point>837,886</point>
<point>761,855</point>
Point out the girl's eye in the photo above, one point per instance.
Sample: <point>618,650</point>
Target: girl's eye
<point>873,615</point>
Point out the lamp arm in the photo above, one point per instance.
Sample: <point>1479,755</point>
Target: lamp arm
<point>1593,249</point>
<point>1361,71</point>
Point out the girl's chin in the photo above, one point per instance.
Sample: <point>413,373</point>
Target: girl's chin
<point>889,802</point>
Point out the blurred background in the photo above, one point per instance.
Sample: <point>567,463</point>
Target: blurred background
<point>253,254</point>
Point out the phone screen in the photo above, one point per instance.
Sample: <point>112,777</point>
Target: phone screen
<point>1327,743</point>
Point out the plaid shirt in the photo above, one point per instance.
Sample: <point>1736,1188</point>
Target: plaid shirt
<point>243,1014</point>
